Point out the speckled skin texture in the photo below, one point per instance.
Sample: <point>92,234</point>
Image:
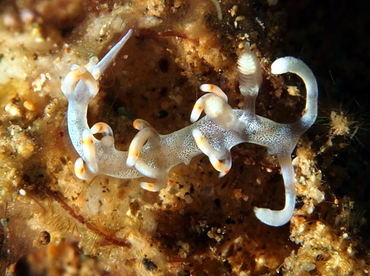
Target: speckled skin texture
<point>199,224</point>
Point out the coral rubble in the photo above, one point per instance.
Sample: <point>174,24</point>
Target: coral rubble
<point>52,222</point>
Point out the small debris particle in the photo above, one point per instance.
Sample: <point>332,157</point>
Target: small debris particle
<point>44,237</point>
<point>163,65</point>
<point>149,265</point>
<point>103,30</point>
<point>293,91</point>
<point>4,221</point>
<point>162,114</point>
<point>29,105</point>
<point>39,82</point>
<point>233,10</point>
<point>237,20</point>
<point>13,110</point>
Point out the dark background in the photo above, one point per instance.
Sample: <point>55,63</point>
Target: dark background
<point>333,38</point>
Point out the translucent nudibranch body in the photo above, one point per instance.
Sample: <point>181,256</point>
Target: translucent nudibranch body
<point>152,155</point>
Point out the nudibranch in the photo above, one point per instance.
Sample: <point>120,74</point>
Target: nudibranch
<point>151,155</point>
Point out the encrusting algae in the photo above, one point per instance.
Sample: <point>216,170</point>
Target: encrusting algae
<point>199,224</point>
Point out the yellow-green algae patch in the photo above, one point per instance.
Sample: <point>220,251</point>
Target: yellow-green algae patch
<point>11,90</point>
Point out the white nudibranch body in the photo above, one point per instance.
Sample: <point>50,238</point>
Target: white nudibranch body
<point>151,155</point>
